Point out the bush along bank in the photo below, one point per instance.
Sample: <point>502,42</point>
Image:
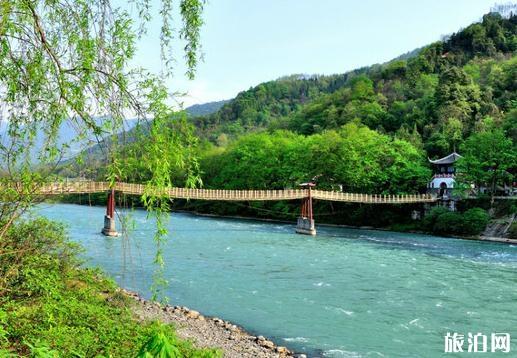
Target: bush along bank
<point>51,307</point>
<point>441,221</point>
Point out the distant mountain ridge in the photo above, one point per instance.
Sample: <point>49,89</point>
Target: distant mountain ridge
<point>204,109</point>
<point>67,133</point>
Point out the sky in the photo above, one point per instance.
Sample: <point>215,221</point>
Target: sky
<point>246,42</point>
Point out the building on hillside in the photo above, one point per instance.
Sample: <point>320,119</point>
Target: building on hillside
<point>443,181</point>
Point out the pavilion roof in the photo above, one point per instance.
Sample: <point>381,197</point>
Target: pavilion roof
<point>451,158</point>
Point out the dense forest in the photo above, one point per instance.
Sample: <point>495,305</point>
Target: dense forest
<point>428,105</point>
<point>436,98</point>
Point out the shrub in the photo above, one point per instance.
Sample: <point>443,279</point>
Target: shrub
<point>442,221</point>
<point>449,223</point>
<point>430,219</point>
<point>475,221</point>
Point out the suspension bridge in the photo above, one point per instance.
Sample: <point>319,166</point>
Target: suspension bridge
<point>306,194</point>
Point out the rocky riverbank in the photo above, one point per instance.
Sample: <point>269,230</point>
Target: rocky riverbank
<point>208,331</point>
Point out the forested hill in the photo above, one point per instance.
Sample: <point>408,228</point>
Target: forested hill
<point>435,98</point>
<point>260,105</point>
<point>204,109</point>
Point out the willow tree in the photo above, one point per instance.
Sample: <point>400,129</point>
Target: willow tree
<point>69,62</point>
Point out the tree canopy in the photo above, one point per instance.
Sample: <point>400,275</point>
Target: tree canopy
<point>489,159</point>
<point>352,158</point>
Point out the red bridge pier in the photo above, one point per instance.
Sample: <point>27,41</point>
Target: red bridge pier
<point>109,228</point>
<point>305,224</point>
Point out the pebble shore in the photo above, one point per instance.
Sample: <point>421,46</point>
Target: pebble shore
<point>210,332</point>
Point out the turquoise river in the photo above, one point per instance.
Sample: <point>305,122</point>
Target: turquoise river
<point>344,293</point>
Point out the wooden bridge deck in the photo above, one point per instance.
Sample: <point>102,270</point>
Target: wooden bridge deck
<point>84,187</point>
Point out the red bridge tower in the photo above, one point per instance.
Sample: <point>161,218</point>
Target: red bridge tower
<point>109,219</point>
<point>305,224</point>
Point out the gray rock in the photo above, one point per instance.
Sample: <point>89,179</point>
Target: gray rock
<point>192,314</point>
<point>211,332</point>
<point>267,344</point>
<point>282,350</point>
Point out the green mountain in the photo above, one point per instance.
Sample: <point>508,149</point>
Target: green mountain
<point>432,97</point>
<point>437,95</point>
<point>260,106</point>
<point>204,109</point>
<point>372,130</point>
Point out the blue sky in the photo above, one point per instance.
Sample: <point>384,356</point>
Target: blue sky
<point>246,42</point>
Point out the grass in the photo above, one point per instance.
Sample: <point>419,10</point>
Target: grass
<point>51,307</point>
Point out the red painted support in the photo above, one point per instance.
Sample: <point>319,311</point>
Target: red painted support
<point>110,209</point>
<point>309,202</point>
<point>109,220</point>
<point>305,223</point>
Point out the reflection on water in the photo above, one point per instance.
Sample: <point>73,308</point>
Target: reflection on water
<point>344,293</point>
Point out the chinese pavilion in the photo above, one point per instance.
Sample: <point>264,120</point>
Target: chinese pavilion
<point>443,179</point>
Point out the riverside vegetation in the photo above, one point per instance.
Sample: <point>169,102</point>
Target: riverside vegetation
<point>51,307</point>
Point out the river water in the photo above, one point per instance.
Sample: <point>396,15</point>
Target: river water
<point>343,293</point>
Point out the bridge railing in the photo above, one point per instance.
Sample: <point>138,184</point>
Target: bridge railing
<point>73,187</point>
<point>236,195</point>
<point>83,187</point>
<point>372,198</point>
